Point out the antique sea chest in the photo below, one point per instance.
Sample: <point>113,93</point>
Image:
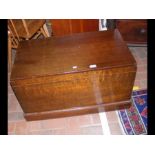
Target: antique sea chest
<point>73,75</point>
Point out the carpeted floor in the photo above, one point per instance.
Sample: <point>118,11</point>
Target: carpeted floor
<point>134,119</point>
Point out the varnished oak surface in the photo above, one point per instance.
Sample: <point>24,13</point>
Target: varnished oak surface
<point>47,86</point>
<point>77,111</point>
<point>58,55</point>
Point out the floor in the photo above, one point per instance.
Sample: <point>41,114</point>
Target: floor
<point>92,124</point>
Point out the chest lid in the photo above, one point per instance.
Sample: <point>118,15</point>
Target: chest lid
<point>71,54</point>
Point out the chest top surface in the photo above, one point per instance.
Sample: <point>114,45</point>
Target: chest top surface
<point>76,53</point>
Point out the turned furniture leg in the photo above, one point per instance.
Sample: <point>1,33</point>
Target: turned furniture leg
<point>46,30</point>
<point>43,32</point>
<point>9,54</point>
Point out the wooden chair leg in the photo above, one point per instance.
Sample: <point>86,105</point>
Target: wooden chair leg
<point>37,35</point>
<point>46,30</point>
<point>9,54</point>
<point>26,29</point>
<point>43,32</point>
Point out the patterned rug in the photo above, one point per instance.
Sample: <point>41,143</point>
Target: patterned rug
<point>134,120</point>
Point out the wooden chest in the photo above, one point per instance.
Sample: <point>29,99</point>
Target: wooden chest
<point>73,75</point>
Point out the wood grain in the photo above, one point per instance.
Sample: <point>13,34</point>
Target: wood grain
<point>58,55</point>
<point>47,85</point>
<point>77,111</point>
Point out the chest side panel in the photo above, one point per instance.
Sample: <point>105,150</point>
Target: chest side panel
<point>75,90</point>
